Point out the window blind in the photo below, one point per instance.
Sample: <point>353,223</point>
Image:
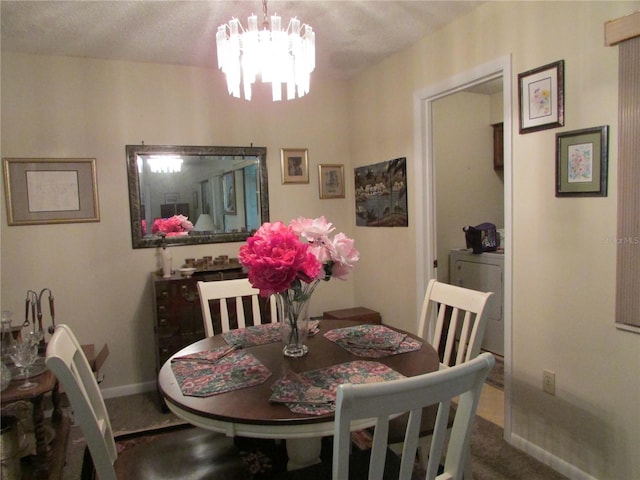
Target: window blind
<point>625,33</point>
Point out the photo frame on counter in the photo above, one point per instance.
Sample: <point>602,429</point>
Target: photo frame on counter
<point>50,190</point>
<point>294,163</point>
<point>541,97</point>
<point>582,162</point>
<point>331,180</point>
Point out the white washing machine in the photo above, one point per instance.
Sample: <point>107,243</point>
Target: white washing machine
<point>483,272</point>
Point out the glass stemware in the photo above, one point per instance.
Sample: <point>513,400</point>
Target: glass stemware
<point>35,336</point>
<point>24,354</point>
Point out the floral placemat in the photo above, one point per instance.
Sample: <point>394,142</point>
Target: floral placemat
<point>255,335</point>
<point>373,341</point>
<point>216,371</point>
<point>314,392</point>
<point>260,334</point>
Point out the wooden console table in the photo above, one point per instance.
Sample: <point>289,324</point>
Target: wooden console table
<point>49,460</point>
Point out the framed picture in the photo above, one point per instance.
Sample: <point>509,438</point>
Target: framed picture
<point>229,192</point>
<point>295,165</point>
<point>381,194</point>
<point>171,197</point>
<point>331,181</point>
<point>541,97</point>
<point>50,190</point>
<point>581,162</point>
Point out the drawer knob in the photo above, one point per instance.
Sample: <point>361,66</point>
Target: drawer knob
<point>188,295</point>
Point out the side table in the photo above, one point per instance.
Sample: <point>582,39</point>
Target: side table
<point>49,460</point>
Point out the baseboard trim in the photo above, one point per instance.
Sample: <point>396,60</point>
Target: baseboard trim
<point>131,389</point>
<point>559,465</point>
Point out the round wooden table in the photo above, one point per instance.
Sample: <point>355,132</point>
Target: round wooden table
<point>247,412</point>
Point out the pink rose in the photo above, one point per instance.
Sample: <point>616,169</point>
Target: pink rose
<point>312,229</point>
<point>344,255</point>
<point>275,257</point>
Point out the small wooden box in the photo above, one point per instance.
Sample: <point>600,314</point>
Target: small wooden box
<point>357,313</point>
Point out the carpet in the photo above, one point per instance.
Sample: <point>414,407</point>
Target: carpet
<point>494,459</point>
<point>264,458</point>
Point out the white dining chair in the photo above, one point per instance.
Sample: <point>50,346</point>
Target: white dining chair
<point>383,400</point>
<point>460,321</point>
<point>235,303</point>
<point>453,321</point>
<point>180,453</point>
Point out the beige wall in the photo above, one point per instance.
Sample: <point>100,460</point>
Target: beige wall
<point>563,265</point>
<point>70,107</point>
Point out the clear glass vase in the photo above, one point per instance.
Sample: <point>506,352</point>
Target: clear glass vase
<point>293,315</point>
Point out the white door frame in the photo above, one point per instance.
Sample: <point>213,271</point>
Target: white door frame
<point>424,188</point>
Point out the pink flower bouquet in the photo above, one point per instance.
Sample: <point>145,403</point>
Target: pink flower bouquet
<point>289,261</point>
<point>281,257</point>
<point>172,226</point>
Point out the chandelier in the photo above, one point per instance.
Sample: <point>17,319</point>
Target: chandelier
<point>280,57</point>
<point>164,163</point>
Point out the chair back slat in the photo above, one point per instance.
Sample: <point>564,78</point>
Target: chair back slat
<point>387,399</point>
<point>66,359</point>
<point>238,300</point>
<point>460,321</point>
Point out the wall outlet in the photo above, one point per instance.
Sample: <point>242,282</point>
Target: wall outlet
<point>549,382</point>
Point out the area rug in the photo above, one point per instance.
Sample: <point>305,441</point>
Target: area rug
<point>264,458</point>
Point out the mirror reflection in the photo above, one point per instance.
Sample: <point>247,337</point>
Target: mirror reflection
<point>196,194</point>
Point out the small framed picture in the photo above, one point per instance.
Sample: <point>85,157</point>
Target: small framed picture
<point>581,162</point>
<point>541,97</point>
<point>295,165</point>
<point>331,181</point>
<point>229,191</point>
<point>171,197</point>
<point>50,190</point>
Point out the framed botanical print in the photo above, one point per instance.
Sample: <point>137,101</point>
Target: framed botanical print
<point>541,97</point>
<point>581,162</point>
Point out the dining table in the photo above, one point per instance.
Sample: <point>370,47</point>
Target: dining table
<point>251,411</point>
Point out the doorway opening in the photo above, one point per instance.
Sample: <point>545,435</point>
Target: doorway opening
<point>428,238</point>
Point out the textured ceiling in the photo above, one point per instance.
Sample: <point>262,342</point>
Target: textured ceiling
<point>350,35</point>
